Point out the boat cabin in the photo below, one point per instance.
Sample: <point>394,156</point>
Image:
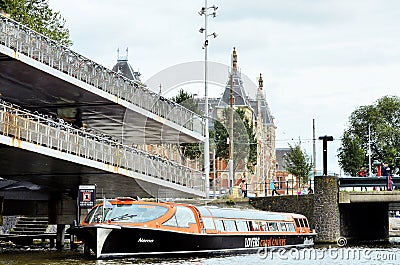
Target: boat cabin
<point>195,219</point>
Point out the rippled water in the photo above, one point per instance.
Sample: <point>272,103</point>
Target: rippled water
<point>367,254</point>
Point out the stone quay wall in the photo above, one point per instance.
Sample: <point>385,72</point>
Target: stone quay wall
<point>302,204</point>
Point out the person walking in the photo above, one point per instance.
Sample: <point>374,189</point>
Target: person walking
<point>243,188</point>
<point>362,173</point>
<point>273,185</point>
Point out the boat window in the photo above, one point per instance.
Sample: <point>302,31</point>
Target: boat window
<point>208,223</point>
<point>184,216</point>
<point>298,222</point>
<point>96,215</point>
<point>291,227</point>
<point>273,226</point>
<point>282,226</point>
<point>263,226</point>
<point>171,222</point>
<point>256,227</point>
<point>230,225</point>
<point>242,226</point>
<point>135,213</point>
<point>250,225</point>
<point>220,225</point>
<point>305,222</point>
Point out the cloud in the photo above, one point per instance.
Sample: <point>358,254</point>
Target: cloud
<point>319,59</point>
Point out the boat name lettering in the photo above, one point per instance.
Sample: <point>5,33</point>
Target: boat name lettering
<point>142,240</point>
<point>251,242</point>
<point>272,242</point>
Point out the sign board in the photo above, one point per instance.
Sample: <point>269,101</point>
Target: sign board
<point>87,196</point>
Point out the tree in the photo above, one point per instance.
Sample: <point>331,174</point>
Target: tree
<point>383,119</point>
<point>297,162</point>
<point>37,15</point>
<point>244,139</point>
<point>190,150</point>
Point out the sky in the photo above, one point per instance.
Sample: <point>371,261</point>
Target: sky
<point>319,59</point>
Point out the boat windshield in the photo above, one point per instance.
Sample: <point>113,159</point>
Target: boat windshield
<point>127,213</point>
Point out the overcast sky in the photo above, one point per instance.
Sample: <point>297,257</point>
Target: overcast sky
<point>320,59</point>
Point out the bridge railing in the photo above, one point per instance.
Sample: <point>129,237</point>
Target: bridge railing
<point>349,182</point>
<point>34,45</point>
<point>60,136</point>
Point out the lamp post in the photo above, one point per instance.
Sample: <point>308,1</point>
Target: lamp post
<point>204,12</point>
<point>325,140</point>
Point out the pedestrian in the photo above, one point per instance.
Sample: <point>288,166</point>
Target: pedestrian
<point>390,182</point>
<point>273,185</point>
<point>386,173</point>
<point>243,188</point>
<point>362,173</point>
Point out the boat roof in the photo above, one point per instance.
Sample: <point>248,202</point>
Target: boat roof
<point>240,213</point>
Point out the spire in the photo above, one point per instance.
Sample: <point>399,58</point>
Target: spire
<point>234,61</point>
<point>260,82</point>
<point>122,58</point>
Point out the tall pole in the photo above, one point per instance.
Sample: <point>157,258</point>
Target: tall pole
<point>231,178</point>
<point>314,151</point>
<point>369,152</point>
<point>207,136</point>
<point>204,11</point>
<point>215,174</point>
<point>325,140</point>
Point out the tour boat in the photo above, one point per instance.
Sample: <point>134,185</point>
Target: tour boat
<point>126,227</point>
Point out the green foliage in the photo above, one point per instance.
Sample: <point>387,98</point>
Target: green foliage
<point>244,139</point>
<point>190,150</point>
<point>37,15</point>
<point>351,154</point>
<point>383,117</point>
<point>297,162</point>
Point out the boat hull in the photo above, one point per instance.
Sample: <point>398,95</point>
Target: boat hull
<point>110,241</point>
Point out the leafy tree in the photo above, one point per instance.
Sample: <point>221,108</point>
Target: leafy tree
<point>297,162</point>
<point>190,150</point>
<point>383,118</point>
<point>244,140</point>
<point>37,15</point>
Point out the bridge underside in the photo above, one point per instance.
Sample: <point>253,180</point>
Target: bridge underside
<point>364,221</point>
<point>40,90</point>
<point>45,175</point>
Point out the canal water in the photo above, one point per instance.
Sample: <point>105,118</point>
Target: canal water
<point>320,254</point>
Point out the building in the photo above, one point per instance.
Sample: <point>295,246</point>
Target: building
<point>258,113</point>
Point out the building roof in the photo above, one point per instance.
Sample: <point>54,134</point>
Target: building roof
<point>124,68</point>
<point>280,153</point>
<point>266,115</point>
<point>239,94</point>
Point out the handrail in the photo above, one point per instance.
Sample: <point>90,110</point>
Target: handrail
<point>39,47</point>
<point>43,131</point>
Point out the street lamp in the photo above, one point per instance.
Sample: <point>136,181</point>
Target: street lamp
<point>205,12</point>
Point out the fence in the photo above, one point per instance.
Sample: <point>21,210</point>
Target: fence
<point>47,132</point>
<point>36,46</point>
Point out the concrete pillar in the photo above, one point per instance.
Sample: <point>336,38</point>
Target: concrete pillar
<point>60,236</point>
<point>326,208</point>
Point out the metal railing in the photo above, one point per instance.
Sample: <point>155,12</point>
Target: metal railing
<point>284,187</point>
<point>60,136</point>
<point>34,45</point>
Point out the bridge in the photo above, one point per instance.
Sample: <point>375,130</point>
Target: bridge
<point>47,93</point>
<point>336,210</point>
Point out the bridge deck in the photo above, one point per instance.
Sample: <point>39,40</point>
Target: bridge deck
<point>61,157</point>
<point>41,75</point>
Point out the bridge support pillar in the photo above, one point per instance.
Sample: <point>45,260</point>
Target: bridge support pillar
<point>60,236</point>
<point>326,208</point>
